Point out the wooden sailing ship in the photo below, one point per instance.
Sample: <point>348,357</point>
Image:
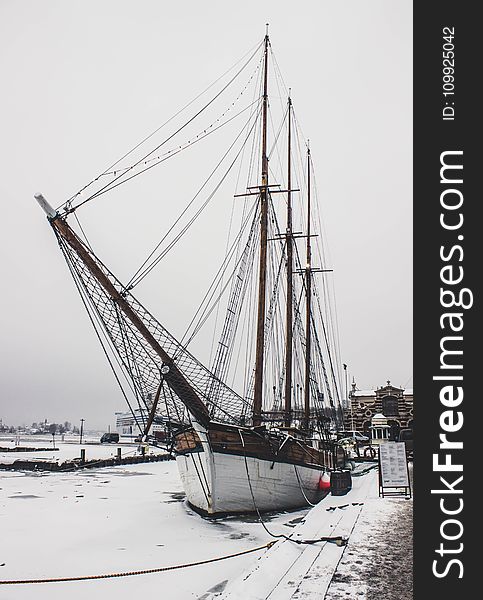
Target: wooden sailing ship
<point>236,452</point>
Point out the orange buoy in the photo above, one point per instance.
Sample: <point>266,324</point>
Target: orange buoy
<point>324,482</point>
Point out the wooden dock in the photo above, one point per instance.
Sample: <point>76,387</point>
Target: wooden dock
<point>291,571</point>
<point>78,464</point>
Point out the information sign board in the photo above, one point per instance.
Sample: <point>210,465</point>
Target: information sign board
<point>393,468</point>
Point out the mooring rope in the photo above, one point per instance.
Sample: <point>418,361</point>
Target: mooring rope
<point>336,539</point>
<point>143,572</point>
<point>301,488</point>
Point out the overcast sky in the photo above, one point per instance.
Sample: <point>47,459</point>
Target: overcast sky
<point>82,81</point>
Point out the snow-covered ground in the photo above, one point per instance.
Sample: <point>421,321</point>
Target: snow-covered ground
<point>134,517</point>
<point>116,519</point>
<point>377,563</point>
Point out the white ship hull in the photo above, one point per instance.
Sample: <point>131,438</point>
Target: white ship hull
<point>217,482</point>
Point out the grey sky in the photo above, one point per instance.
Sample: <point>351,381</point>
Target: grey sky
<point>82,81</point>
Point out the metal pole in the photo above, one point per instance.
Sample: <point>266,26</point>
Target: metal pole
<point>81,430</point>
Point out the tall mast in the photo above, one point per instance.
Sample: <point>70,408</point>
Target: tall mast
<point>308,309</point>
<point>289,315</point>
<point>262,279</point>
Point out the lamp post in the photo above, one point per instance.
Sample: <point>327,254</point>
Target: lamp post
<point>352,417</point>
<point>81,430</point>
<point>348,401</point>
<point>345,376</point>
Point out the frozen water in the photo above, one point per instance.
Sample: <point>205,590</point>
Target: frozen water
<point>112,520</point>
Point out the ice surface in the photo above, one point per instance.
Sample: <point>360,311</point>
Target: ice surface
<point>116,519</point>
<point>134,517</point>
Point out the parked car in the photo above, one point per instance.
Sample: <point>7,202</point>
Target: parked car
<point>357,435</point>
<point>406,436</point>
<point>156,438</point>
<point>110,438</point>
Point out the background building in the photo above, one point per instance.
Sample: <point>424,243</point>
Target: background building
<point>396,404</point>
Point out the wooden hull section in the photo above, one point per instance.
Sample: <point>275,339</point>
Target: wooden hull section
<point>225,469</point>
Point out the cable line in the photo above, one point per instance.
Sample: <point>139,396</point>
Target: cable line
<point>252,51</point>
<point>140,572</point>
<point>142,272</point>
<point>109,185</point>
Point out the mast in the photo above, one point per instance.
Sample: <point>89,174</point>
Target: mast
<point>289,314</point>
<point>169,370</point>
<point>308,308</point>
<point>262,278</point>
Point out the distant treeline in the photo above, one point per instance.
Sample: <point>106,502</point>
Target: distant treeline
<point>41,427</point>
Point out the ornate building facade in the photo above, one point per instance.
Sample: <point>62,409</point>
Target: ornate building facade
<point>396,404</point>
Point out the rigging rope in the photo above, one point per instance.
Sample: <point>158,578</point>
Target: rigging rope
<point>274,326</point>
<point>199,136</point>
<point>160,159</point>
<point>90,313</point>
<point>109,185</point>
<point>254,50</point>
<point>208,310</point>
<point>140,274</point>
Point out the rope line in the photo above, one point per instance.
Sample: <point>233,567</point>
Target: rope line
<point>301,488</point>
<point>143,572</point>
<point>92,315</point>
<point>107,187</point>
<point>144,270</point>
<point>337,539</point>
